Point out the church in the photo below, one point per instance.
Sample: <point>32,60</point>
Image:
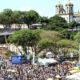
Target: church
<point>67,12</point>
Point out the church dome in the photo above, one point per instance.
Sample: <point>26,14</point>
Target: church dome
<point>69,3</point>
<point>59,5</point>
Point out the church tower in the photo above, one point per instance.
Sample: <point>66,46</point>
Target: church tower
<point>69,11</point>
<point>69,7</point>
<point>59,8</point>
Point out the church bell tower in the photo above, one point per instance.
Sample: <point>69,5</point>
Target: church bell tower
<point>69,10</point>
<point>69,7</point>
<point>59,8</point>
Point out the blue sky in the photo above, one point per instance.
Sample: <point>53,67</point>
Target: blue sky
<point>43,7</point>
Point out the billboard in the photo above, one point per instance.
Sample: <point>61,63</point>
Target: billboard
<point>19,59</point>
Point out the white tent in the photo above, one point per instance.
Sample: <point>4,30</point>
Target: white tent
<point>47,61</point>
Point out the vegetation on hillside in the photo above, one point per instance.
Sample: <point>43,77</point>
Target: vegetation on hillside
<point>53,35</point>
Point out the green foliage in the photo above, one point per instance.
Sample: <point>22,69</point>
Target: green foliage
<point>6,17</point>
<point>48,40</point>
<point>24,38</point>
<point>31,17</point>
<point>53,35</point>
<point>57,18</point>
<point>45,43</point>
<point>44,20</point>
<point>42,38</point>
<point>57,23</point>
<point>77,37</point>
<point>64,46</point>
<point>17,17</point>
<point>65,43</point>
<point>51,26</point>
<point>73,24</point>
<point>67,34</point>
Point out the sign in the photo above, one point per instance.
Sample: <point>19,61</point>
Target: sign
<point>18,59</point>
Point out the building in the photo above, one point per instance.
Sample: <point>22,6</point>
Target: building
<point>67,12</point>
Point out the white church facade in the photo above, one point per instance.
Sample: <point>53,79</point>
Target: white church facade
<point>67,12</point>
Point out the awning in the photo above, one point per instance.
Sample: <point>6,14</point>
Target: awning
<point>5,33</point>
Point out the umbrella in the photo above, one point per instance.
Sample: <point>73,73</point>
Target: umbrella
<point>47,61</point>
<point>64,62</point>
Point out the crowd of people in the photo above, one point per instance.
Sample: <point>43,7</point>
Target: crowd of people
<point>9,71</point>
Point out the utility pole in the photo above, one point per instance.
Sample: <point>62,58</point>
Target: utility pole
<point>79,53</point>
<point>33,55</point>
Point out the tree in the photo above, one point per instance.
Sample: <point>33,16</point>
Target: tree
<point>49,40</point>
<point>53,35</point>
<point>31,17</point>
<point>77,37</point>
<point>6,18</point>
<point>17,17</point>
<point>24,38</point>
<point>73,25</point>
<point>64,45</point>
<point>45,44</point>
<point>67,34</point>
<point>57,23</point>
<point>44,20</point>
<point>51,26</point>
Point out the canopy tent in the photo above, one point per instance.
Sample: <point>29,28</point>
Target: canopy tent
<point>5,33</point>
<point>46,61</point>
